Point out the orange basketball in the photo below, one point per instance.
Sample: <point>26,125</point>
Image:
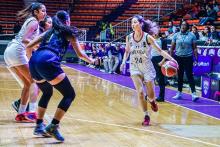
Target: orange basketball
<point>169,68</point>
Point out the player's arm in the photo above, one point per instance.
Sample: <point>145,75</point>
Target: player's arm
<point>33,43</point>
<point>152,41</point>
<point>80,53</point>
<point>30,29</point>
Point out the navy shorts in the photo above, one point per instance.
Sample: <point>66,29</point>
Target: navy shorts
<point>44,64</point>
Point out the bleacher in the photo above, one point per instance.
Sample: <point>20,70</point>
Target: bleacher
<point>87,12</point>
<point>8,10</point>
<point>164,23</point>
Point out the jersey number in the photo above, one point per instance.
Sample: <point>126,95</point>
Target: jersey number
<point>138,60</point>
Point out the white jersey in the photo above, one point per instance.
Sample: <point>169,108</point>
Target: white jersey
<point>140,58</point>
<point>15,53</point>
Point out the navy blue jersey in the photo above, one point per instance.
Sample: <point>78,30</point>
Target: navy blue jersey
<point>55,42</point>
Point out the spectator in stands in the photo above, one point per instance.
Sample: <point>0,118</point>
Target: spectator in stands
<point>205,34</point>
<point>171,28</point>
<point>96,57</point>
<point>17,27</point>
<point>184,44</point>
<point>195,10</point>
<point>157,61</point>
<point>195,32</point>
<point>105,58</point>
<point>16,57</point>
<point>214,36</point>
<point>215,5</point>
<point>211,15</point>
<point>46,24</point>
<point>114,58</point>
<point>202,11</point>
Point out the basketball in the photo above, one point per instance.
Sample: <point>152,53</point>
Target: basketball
<point>169,68</point>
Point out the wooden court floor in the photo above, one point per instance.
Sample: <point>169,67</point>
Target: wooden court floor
<point>106,115</point>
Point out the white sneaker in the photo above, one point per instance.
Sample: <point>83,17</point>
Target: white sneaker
<point>178,95</point>
<point>194,97</point>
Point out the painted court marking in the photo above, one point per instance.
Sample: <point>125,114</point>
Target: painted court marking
<point>134,90</point>
<point>123,126</point>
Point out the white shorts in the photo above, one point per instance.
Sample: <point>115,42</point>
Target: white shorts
<point>15,55</point>
<point>147,71</point>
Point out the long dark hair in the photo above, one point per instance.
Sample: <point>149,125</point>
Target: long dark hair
<point>59,25</point>
<point>42,24</point>
<point>29,10</point>
<point>149,27</point>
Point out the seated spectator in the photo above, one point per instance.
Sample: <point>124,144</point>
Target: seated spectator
<point>94,55</point>
<point>211,15</point>
<point>171,30</point>
<point>195,32</point>
<point>205,34</point>
<point>105,58</point>
<point>114,58</point>
<point>214,36</point>
<point>202,11</point>
<point>215,5</point>
<point>17,27</point>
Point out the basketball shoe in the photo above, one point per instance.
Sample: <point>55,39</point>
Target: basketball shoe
<point>22,118</point>
<point>52,130</point>
<point>15,104</point>
<point>146,121</point>
<point>39,130</point>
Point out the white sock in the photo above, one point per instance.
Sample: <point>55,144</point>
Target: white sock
<point>22,109</point>
<point>151,100</point>
<point>146,113</point>
<point>32,107</point>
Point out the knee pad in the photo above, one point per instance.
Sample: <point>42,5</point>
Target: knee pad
<point>47,91</point>
<point>66,89</point>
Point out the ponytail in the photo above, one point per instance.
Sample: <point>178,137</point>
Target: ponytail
<point>148,26</point>
<point>29,10</point>
<point>59,21</point>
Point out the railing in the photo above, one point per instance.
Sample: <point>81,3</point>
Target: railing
<point>82,36</point>
<point>122,29</point>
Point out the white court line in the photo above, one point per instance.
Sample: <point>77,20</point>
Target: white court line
<point>128,127</point>
<point>144,130</point>
<point>9,89</point>
<point>203,105</point>
<point>134,90</point>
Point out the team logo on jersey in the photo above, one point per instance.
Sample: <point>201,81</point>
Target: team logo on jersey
<point>144,44</point>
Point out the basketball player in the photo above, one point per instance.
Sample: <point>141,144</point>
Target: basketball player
<point>17,61</point>
<point>141,68</point>
<point>46,70</point>
<point>45,25</point>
